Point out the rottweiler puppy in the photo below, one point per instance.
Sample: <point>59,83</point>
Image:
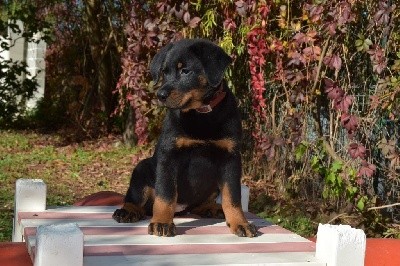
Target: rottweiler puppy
<point>198,153</point>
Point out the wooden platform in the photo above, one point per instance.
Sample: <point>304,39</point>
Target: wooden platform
<point>199,241</point>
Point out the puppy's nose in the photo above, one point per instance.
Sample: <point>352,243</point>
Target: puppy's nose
<point>162,95</point>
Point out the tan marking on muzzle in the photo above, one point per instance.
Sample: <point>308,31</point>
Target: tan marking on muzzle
<point>194,98</point>
<point>202,80</point>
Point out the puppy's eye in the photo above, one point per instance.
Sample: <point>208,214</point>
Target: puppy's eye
<point>184,71</point>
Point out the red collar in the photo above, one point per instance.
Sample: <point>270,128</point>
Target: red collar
<point>218,97</point>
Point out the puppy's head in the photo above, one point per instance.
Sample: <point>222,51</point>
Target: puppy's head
<point>189,72</point>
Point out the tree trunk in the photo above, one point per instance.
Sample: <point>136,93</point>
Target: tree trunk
<point>101,57</point>
<point>128,135</point>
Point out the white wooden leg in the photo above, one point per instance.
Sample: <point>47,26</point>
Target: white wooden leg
<point>60,245</point>
<point>30,195</point>
<point>340,245</point>
<point>244,199</point>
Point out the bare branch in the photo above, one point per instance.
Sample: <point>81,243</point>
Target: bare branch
<point>384,206</point>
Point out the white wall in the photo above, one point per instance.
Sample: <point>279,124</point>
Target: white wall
<point>33,54</point>
<point>4,54</point>
<point>36,66</point>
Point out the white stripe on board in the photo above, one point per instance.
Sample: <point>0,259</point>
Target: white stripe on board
<point>83,209</point>
<point>281,259</point>
<point>102,240</point>
<point>93,240</point>
<point>189,239</point>
<point>182,222</point>
<point>136,230</point>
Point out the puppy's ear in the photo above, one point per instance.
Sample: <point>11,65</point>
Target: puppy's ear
<point>213,58</point>
<point>158,61</point>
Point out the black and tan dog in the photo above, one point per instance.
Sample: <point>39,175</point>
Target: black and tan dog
<point>198,152</point>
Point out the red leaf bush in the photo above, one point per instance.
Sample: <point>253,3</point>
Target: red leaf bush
<point>318,83</point>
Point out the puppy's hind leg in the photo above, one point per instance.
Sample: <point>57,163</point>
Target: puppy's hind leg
<point>209,208</point>
<point>140,195</point>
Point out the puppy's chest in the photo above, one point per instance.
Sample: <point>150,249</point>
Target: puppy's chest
<point>223,144</point>
<point>203,134</point>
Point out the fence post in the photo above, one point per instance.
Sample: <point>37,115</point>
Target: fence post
<point>59,244</point>
<point>30,195</point>
<point>340,245</point>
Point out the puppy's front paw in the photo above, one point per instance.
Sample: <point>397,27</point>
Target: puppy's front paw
<point>129,213</point>
<point>244,230</point>
<point>162,229</point>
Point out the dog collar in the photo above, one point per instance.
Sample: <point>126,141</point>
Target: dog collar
<point>218,97</point>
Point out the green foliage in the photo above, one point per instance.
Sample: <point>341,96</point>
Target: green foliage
<point>297,223</point>
<point>339,179</point>
<point>5,225</point>
<point>208,22</point>
<point>363,43</point>
<point>25,11</point>
<point>361,203</point>
<point>14,90</point>
<point>300,151</point>
<point>15,86</point>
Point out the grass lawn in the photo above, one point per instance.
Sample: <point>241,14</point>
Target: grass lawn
<point>70,171</point>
